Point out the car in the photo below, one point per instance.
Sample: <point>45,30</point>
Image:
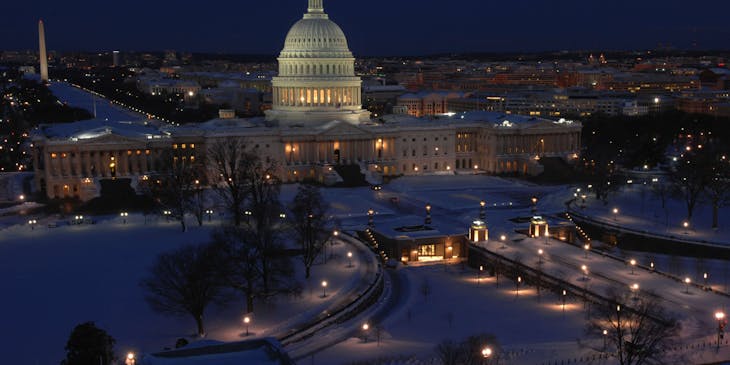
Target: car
<point>376,187</point>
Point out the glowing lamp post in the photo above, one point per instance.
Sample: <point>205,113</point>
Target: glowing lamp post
<point>247,322</point>
<point>349,259</point>
<point>502,239</point>
<point>586,248</point>
<point>635,290</point>
<point>687,281</point>
<point>209,212</point>
<point>324,288</point>
<point>486,353</point>
<point>704,276</point>
<point>32,223</point>
<point>584,268</point>
<point>605,339</point>
<point>479,274</point>
<point>583,201</point>
<point>720,317</point>
<point>130,359</point>
<point>539,254</point>
<point>518,282</point>
<point>370,217</point>
<point>482,215</point>
<point>428,214</point>
<point>685,224</point>
<point>565,293</point>
<point>282,216</point>
<point>365,328</point>
<point>615,214</point>
<point>534,204</point>
<point>124,216</point>
<point>633,265</point>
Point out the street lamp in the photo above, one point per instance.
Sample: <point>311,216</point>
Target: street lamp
<point>365,328</point>
<point>124,216</point>
<point>247,322</point>
<point>349,258</point>
<point>534,204</point>
<point>539,254</point>
<point>565,293</point>
<point>370,217</point>
<point>583,203</point>
<point>503,238</point>
<point>720,316</point>
<point>324,288</point>
<point>130,359</point>
<point>615,214</point>
<point>633,265</point>
<point>209,212</point>
<point>486,353</point>
<point>704,276</point>
<point>687,281</point>
<point>685,224</point>
<point>584,268</point>
<point>605,339</point>
<point>519,280</point>
<point>428,213</point>
<point>547,235</point>
<point>32,223</point>
<point>482,215</point>
<point>479,274</point>
<point>282,216</point>
<point>635,290</point>
<point>586,248</point>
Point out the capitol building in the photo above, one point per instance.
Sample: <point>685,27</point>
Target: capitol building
<point>316,124</point>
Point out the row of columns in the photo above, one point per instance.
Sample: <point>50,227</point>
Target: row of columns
<point>317,69</point>
<point>306,96</point>
<point>350,150</point>
<point>101,164</point>
<point>539,144</point>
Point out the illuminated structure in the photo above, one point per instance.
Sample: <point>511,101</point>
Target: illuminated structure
<point>316,125</point>
<point>478,231</point>
<point>42,51</point>
<point>316,79</point>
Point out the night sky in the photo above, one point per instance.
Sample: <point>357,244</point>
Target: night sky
<point>374,27</point>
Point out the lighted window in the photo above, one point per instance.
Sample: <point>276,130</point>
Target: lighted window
<point>184,146</point>
<point>146,152</point>
<point>174,146</point>
<point>192,145</point>
<point>54,155</point>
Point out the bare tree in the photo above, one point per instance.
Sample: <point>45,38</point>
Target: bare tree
<point>183,282</point>
<point>228,160</point>
<point>240,267</point>
<point>718,187</point>
<point>174,188</point>
<point>264,221</point>
<point>310,222</point>
<point>689,179</point>
<point>640,332</point>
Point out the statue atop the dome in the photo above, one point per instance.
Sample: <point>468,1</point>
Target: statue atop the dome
<point>315,6</point>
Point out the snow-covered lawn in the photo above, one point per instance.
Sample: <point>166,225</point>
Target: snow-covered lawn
<point>638,208</point>
<point>56,278</point>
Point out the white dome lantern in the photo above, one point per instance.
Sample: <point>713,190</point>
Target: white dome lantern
<point>316,82</point>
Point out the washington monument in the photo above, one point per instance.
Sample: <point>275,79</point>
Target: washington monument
<point>42,53</point>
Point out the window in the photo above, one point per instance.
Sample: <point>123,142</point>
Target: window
<point>427,250</point>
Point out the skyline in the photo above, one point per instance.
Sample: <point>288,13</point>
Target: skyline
<point>381,28</point>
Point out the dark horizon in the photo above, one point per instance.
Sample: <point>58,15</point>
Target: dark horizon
<point>380,28</point>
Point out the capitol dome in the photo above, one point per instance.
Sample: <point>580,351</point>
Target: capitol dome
<point>316,81</point>
<point>316,37</point>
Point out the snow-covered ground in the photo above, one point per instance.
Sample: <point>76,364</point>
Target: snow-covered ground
<point>57,278</point>
<point>79,98</point>
<point>639,209</point>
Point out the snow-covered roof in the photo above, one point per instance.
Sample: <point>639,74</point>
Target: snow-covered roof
<point>95,128</point>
